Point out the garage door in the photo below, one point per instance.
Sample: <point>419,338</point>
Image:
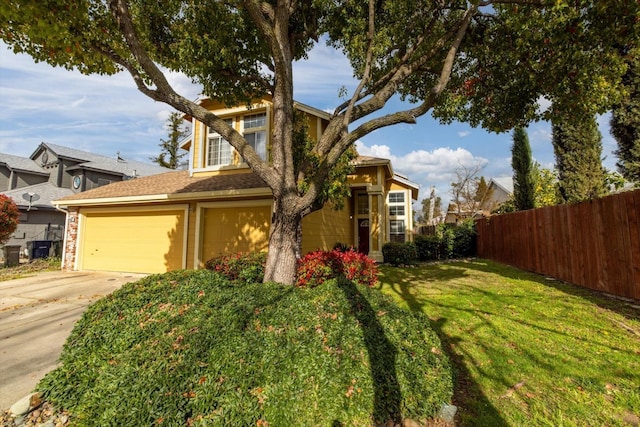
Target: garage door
<point>235,229</point>
<point>133,241</point>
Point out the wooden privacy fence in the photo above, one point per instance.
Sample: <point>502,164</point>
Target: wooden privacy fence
<point>595,244</point>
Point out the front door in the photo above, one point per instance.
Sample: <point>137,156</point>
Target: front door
<point>363,236</point>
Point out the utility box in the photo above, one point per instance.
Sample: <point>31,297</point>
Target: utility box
<point>11,255</point>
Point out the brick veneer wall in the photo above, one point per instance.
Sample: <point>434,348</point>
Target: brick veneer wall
<point>71,240</point>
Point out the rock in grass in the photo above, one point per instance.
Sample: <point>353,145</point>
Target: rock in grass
<point>448,413</point>
<point>26,404</point>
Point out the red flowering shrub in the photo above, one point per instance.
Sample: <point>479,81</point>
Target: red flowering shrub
<point>359,268</point>
<point>246,268</point>
<point>317,267</point>
<point>9,215</point>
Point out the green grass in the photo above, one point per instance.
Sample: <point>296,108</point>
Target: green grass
<point>29,268</point>
<point>527,350</point>
<point>190,348</point>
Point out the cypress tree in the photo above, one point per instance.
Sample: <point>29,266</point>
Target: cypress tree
<point>522,163</point>
<point>578,151</point>
<point>170,156</point>
<point>625,124</point>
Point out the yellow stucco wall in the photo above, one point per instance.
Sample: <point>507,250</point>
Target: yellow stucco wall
<point>368,175</point>
<point>324,228</point>
<point>133,240</point>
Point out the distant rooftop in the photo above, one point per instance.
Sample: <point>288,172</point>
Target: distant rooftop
<point>104,163</point>
<point>506,182</point>
<point>44,193</point>
<point>21,164</point>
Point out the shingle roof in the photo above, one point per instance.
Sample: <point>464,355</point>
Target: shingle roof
<point>21,163</point>
<point>176,182</point>
<point>179,182</point>
<point>46,191</point>
<point>104,163</point>
<point>506,182</point>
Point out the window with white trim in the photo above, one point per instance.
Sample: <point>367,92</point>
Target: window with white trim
<point>218,148</point>
<point>255,132</point>
<point>397,230</point>
<point>397,216</point>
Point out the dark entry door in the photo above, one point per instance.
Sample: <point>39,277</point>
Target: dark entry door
<point>363,236</point>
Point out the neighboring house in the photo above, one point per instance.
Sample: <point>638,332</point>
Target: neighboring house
<point>499,190</point>
<point>53,172</point>
<point>219,206</point>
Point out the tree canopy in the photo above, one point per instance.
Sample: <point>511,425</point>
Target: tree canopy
<point>9,215</point>
<point>487,62</point>
<point>625,122</point>
<point>578,151</point>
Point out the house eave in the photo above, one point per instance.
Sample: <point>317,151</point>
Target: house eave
<point>164,198</point>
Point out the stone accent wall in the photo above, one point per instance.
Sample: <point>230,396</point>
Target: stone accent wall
<point>71,240</point>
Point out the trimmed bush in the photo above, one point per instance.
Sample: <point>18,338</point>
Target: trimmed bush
<point>429,248</point>
<point>191,348</point>
<point>317,267</point>
<point>464,239</point>
<point>396,253</point>
<point>449,242</point>
<point>244,268</point>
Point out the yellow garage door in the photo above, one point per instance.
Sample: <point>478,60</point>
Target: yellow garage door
<point>133,241</point>
<point>235,229</point>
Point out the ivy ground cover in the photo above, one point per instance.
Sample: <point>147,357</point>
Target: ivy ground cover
<point>192,348</point>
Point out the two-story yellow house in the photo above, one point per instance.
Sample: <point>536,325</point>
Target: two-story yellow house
<point>180,219</point>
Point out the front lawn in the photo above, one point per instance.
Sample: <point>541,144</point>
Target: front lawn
<point>527,350</point>
<point>191,348</point>
<point>29,268</point>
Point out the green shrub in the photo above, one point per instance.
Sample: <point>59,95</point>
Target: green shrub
<point>317,267</point>
<point>396,253</point>
<point>244,268</point>
<point>450,241</point>
<point>191,348</point>
<point>464,239</point>
<point>429,248</point>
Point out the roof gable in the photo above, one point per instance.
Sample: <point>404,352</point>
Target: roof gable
<point>86,160</point>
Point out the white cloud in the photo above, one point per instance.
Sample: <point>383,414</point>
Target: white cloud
<point>426,168</point>
<point>464,133</point>
<point>544,104</point>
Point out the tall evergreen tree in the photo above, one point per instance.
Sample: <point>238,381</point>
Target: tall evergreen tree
<point>625,123</point>
<point>482,190</point>
<point>169,156</point>
<point>522,163</point>
<point>578,152</point>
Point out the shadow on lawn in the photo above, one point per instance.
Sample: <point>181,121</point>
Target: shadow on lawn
<point>602,300</point>
<point>382,357</point>
<point>474,408</point>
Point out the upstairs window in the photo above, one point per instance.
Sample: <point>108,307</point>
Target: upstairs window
<point>255,132</point>
<point>218,148</point>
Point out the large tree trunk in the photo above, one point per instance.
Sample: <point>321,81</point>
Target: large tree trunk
<point>284,246</point>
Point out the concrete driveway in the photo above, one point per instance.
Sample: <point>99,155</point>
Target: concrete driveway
<point>36,316</point>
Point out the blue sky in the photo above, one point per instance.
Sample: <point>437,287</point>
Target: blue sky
<point>106,115</point>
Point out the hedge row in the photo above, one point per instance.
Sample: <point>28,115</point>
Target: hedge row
<point>449,242</point>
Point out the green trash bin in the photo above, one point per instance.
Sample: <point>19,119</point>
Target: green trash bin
<point>11,255</point>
